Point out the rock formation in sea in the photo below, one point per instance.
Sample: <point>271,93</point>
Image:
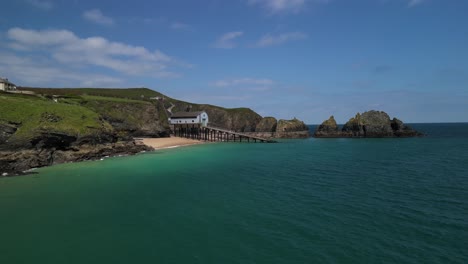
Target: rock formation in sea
<point>293,128</point>
<point>368,124</point>
<point>328,128</point>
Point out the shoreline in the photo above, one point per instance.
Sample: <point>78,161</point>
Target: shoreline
<point>17,163</point>
<point>167,143</point>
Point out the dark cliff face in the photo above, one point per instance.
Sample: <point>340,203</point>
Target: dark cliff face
<point>6,131</point>
<point>369,124</point>
<point>267,124</point>
<point>133,119</point>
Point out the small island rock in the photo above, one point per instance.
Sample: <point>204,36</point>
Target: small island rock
<point>328,128</point>
<point>369,124</point>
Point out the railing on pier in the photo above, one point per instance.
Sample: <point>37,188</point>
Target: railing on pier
<point>208,133</point>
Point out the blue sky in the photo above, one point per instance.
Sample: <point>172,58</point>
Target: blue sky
<point>285,58</point>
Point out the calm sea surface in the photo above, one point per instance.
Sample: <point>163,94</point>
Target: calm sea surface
<point>300,201</point>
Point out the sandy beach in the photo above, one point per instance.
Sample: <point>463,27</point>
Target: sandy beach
<point>171,142</point>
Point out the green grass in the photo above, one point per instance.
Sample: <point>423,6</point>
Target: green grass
<point>32,113</point>
<point>111,99</point>
<point>141,94</point>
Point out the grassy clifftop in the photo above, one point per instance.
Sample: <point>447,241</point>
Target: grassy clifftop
<point>32,115</point>
<point>131,93</point>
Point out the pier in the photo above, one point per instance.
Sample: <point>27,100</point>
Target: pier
<point>214,134</point>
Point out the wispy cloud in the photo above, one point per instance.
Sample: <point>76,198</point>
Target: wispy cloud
<point>226,41</point>
<point>274,7</point>
<point>45,5</point>
<point>279,6</point>
<point>96,16</point>
<point>412,3</point>
<point>252,84</point>
<point>68,51</point>
<point>271,40</point>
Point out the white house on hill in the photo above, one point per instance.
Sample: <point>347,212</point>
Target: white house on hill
<point>5,85</point>
<point>189,118</point>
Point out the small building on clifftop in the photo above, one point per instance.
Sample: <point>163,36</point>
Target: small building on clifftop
<point>195,118</point>
<point>5,85</point>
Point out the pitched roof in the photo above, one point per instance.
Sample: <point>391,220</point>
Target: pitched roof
<point>186,114</point>
<point>5,81</point>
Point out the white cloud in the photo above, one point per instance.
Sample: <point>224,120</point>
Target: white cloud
<point>45,5</point>
<point>27,71</point>
<point>65,50</point>
<point>270,40</point>
<point>226,41</point>
<point>96,16</point>
<point>412,3</point>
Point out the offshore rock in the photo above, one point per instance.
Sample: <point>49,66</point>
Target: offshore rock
<point>369,124</point>
<point>328,128</point>
<point>294,128</point>
<point>372,124</point>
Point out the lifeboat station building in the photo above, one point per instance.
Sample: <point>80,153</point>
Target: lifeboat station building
<point>187,118</point>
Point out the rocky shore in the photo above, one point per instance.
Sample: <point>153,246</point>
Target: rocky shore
<point>17,162</point>
<point>375,124</point>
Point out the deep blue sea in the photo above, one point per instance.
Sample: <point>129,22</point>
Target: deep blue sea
<point>298,201</point>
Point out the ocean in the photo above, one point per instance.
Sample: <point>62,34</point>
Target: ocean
<point>299,201</point>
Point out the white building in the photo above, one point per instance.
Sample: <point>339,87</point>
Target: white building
<point>5,85</point>
<point>189,118</point>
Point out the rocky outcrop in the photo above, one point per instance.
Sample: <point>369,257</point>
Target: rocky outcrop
<point>402,130</point>
<point>294,128</point>
<point>16,162</point>
<point>369,124</point>
<point>6,131</point>
<point>328,128</point>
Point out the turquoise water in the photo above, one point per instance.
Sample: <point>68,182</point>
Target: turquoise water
<point>299,201</point>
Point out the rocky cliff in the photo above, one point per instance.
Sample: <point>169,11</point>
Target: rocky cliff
<point>132,118</point>
<point>369,124</point>
<point>267,124</point>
